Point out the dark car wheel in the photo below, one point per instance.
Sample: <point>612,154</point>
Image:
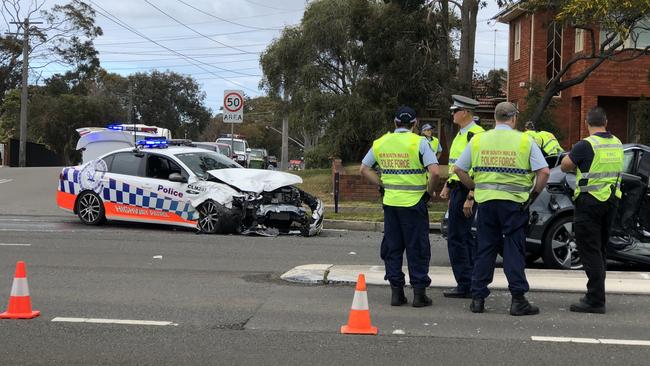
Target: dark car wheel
<point>209,217</point>
<point>90,208</point>
<point>560,250</point>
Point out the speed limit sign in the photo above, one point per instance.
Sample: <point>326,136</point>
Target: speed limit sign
<point>233,106</point>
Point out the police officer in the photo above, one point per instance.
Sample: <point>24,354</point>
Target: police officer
<point>505,161</point>
<point>461,244</point>
<point>427,131</point>
<point>404,158</point>
<point>544,139</point>
<point>598,161</point>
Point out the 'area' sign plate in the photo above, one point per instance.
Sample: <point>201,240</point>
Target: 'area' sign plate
<point>233,106</point>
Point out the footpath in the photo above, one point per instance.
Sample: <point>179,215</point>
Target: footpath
<point>539,279</point>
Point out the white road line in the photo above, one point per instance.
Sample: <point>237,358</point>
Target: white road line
<point>14,245</point>
<point>5,180</point>
<point>625,342</point>
<point>112,321</point>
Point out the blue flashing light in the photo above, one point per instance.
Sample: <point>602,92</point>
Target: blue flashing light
<point>115,127</point>
<point>153,142</point>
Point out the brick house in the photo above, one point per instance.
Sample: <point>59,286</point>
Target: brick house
<point>539,47</point>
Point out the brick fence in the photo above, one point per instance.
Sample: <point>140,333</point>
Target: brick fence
<point>354,187</point>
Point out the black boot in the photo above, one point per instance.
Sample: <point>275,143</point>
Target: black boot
<point>584,306</point>
<point>520,306</point>
<point>420,298</point>
<point>477,305</point>
<point>397,298</point>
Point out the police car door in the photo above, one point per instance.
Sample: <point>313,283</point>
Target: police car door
<point>120,184</point>
<point>167,183</point>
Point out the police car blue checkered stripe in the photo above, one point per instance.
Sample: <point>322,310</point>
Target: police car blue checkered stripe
<point>403,171</point>
<point>120,192</point>
<point>124,193</point>
<point>491,169</point>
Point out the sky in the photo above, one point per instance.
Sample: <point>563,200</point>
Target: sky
<point>223,39</point>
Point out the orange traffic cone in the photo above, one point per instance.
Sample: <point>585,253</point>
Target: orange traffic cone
<point>20,305</point>
<point>359,320</point>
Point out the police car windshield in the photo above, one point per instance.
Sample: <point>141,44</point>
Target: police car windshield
<point>201,162</point>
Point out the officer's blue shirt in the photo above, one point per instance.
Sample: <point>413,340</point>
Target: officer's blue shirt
<point>428,157</point>
<point>537,160</point>
<point>466,128</point>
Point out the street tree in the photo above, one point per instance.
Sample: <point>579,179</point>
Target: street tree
<point>65,36</point>
<point>619,24</point>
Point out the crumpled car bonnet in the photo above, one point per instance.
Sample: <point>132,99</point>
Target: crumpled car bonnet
<point>255,180</point>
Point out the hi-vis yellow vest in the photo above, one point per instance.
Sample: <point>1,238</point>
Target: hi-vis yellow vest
<point>605,171</point>
<point>457,148</point>
<point>402,173</point>
<point>535,137</point>
<point>434,144</point>
<point>501,163</point>
<point>548,143</point>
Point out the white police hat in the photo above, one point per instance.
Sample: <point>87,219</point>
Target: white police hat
<point>461,102</point>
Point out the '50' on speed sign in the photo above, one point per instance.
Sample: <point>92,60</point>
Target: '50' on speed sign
<point>233,106</point>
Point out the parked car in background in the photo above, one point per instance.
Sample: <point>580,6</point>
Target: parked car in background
<point>96,141</point>
<point>258,158</point>
<point>240,149</point>
<point>223,149</point>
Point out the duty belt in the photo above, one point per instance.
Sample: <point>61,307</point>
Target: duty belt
<point>502,187</point>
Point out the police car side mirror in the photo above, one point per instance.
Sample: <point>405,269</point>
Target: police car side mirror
<point>175,177</point>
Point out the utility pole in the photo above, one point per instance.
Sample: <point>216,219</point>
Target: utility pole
<point>284,159</point>
<point>22,147</point>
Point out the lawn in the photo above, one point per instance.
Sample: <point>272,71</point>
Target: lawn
<point>319,183</point>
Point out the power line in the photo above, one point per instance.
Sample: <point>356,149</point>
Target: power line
<point>198,48</point>
<point>192,29</point>
<point>197,55</point>
<point>180,38</point>
<point>211,22</point>
<point>219,18</point>
<point>181,58</point>
<point>121,23</point>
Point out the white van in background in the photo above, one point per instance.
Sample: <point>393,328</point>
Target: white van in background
<point>97,141</point>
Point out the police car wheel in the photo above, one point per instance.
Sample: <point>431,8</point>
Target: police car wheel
<point>90,208</point>
<point>560,250</point>
<point>209,220</point>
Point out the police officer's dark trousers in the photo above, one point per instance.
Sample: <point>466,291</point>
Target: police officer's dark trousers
<point>593,221</point>
<point>406,228</point>
<point>500,221</point>
<point>461,244</point>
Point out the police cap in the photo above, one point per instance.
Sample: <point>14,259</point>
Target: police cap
<point>504,111</point>
<point>427,127</point>
<point>405,115</point>
<point>461,102</point>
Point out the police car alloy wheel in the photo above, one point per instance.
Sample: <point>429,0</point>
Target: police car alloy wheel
<point>209,217</point>
<point>560,250</point>
<point>90,208</point>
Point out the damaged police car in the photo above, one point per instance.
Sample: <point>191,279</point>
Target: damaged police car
<point>188,186</point>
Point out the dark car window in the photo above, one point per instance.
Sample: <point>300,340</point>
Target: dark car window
<point>201,162</point>
<point>160,167</point>
<point>108,160</point>
<point>126,163</point>
<point>628,161</point>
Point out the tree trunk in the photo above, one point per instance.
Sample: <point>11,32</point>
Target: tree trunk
<point>468,14</point>
<point>443,47</point>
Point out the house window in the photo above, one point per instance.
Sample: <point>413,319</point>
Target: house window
<point>639,37</point>
<point>553,50</point>
<point>580,40</point>
<point>517,38</point>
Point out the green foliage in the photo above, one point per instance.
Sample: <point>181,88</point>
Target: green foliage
<point>318,157</point>
<point>170,100</point>
<point>546,122</point>
<point>341,79</point>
